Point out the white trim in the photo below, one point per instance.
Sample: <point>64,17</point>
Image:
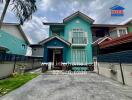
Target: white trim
<point>103,39</point>
<point>79,45</point>
<point>43,42</point>
<point>54,47</point>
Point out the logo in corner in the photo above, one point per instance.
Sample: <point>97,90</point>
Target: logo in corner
<point>117,10</point>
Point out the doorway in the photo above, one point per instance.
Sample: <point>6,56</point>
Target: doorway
<point>56,57</point>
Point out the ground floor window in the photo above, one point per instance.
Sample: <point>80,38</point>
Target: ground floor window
<point>79,56</point>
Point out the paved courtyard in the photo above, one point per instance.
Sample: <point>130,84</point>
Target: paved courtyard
<point>71,86</point>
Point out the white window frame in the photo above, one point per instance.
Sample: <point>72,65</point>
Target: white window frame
<point>121,29</point>
<point>117,31</point>
<point>71,36</point>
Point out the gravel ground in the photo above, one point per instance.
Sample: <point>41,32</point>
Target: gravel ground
<point>71,86</point>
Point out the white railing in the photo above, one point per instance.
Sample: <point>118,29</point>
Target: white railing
<point>79,40</point>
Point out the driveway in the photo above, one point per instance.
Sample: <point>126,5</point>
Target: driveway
<point>72,86</point>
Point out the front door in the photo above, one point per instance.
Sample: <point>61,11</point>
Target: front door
<point>57,58</point>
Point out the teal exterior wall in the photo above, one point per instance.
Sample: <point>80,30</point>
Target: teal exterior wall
<point>12,43</point>
<point>130,28</point>
<point>87,28</point>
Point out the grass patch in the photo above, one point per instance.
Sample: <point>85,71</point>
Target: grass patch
<point>14,82</point>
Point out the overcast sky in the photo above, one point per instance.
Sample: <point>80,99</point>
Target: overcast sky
<point>57,10</point>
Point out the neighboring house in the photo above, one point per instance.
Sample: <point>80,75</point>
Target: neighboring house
<point>113,54</point>
<point>76,40</point>
<point>37,50</point>
<point>70,41</point>
<point>120,39</point>
<point>12,39</point>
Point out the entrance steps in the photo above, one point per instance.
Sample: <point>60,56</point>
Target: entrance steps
<point>61,72</point>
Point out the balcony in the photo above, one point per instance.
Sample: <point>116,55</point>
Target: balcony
<point>79,41</point>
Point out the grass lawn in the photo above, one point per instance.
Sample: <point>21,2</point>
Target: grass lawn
<point>14,82</point>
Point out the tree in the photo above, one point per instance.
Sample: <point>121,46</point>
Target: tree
<point>22,8</point>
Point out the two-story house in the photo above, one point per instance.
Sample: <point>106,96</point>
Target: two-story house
<point>113,38</point>
<point>76,40</point>
<point>70,41</point>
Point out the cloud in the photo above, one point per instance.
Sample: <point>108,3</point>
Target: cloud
<point>35,30</point>
<point>57,10</point>
<point>1,8</point>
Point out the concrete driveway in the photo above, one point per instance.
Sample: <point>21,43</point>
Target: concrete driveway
<point>72,86</point>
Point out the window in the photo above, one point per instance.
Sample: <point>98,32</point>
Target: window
<point>113,34</point>
<point>23,46</point>
<point>122,31</point>
<point>118,32</point>
<point>79,56</point>
<point>78,36</point>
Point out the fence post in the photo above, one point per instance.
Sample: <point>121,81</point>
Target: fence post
<point>14,65</point>
<point>122,75</point>
<point>97,67</point>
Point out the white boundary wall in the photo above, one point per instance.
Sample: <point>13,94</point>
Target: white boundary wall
<point>6,68</point>
<point>105,69</point>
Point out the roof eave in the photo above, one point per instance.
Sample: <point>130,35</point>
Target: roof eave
<point>50,38</point>
<point>78,13</point>
<point>46,23</point>
<point>23,34</point>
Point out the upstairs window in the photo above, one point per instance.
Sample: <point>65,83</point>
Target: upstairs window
<point>122,31</point>
<point>118,32</point>
<point>78,36</point>
<point>113,34</point>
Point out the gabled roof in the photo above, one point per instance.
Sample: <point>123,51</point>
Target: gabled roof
<point>100,40</point>
<point>117,7</point>
<point>20,29</point>
<point>126,21</point>
<point>53,37</point>
<point>78,13</point>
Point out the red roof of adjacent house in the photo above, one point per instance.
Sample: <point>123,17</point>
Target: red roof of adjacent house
<point>100,40</point>
<point>117,41</point>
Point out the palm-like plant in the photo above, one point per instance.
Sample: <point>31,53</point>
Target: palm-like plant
<point>22,8</point>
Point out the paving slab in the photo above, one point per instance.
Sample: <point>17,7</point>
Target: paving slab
<point>71,86</point>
